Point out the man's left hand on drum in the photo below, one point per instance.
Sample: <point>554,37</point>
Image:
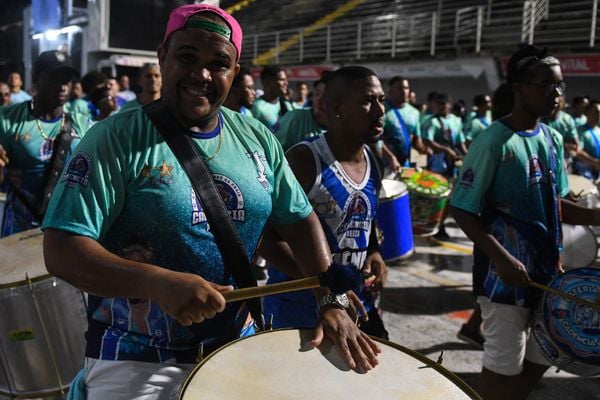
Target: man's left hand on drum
<point>357,349</point>
<point>196,299</point>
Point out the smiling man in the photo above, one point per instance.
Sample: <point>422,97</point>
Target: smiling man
<point>126,226</point>
<point>29,137</point>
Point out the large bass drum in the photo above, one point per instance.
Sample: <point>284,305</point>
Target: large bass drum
<point>296,371</point>
<point>569,333</point>
<point>42,322</point>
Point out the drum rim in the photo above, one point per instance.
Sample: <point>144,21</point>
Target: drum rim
<point>25,281</point>
<point>451,376</point>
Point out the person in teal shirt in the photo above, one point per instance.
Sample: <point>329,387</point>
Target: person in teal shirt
<point>481,119</point>
<point>443,133</point>
<point>507,200</point>
<point>29,133</point>
<point>579,105</point>
<point>298,125</point>
<point>242,93</point>
<point>587,162</point>
<point>126,212</point>
<point>402,127</point>
<point>564,124</point>
<point>150,81</point>
<point>273,104</point>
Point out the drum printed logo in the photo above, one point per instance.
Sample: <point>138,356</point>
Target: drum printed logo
<point>468,178</point>
<point>231,195</point>
<point>78,171</point>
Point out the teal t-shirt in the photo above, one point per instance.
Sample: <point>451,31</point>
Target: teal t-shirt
<point>589,140</point>
<point>130,105</point>
<point>30,155</point>
<point>79,106</point>
<point>564,124</point>
<point>477,124</point>
<point>400,125</point>
<point>125,189</point>
<point>296,126</point>
<point>580,121</point>
<point>267,112</point>
<point>507,171</point>
<point>446,131</point>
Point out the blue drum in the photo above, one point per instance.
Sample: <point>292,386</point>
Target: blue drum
<point>393,218</point>
<point>568,332</point>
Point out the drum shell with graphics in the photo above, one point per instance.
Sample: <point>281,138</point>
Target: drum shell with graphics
<point>584,191</point>
<point>295,371</point>
<point>42,325</point>
<point>569,333</point>
<point>393,218</point>
<point>429,193</point>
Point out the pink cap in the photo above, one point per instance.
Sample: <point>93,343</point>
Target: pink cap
<point>179,16</point>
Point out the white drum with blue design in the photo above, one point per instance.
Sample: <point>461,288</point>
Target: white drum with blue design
<point>568,332</point>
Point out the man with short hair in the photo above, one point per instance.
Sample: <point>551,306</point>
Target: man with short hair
<point>150,81</point>
<point>242,94</point>
<point>15,83</point>
<point>30,136</point>
<point>126,225</point>
<point>298,125</point>
<point>273,104</point>
<point>125,92</point>
<point>481,118</point>
<point>402,127</point>
<point>579,104</point>
<point>342,178</point>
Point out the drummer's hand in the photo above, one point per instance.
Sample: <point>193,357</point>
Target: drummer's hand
<point>357,308</point>
<point>358,350</point>
<point>375,266</point>
<point>3,162</point>
<point>451,154</point>
<point>395,164</point>
<point>512,271</point>
<point>188,298</point>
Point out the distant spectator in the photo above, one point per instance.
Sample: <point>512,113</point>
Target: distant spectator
<point>76,102</point>
<point>5,99</point>
<point>113,87</point>
<point>481,119</point>
<point>301,95</point>
<point>412,98</point>
<point>15,83</point>
<point>430,110</point>
<point>460,110</point>
<point>90,82</point>
<point>579,105</point>
<point>564,124</point>
<point>587,162</point>
<point>105,103</point>
<point>150,80</point>
<point>125,92</point>
<point>242,94</point>
<point>272,105</point>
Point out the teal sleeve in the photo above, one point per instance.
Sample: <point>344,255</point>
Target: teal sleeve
<point>476,176</point>
<point>562,180</point>
<point>417,127</point>
<point>290,203</point>
<point>91,192</point>
<point>429,130</point>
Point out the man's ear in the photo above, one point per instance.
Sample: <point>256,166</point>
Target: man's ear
<point>162,54</point>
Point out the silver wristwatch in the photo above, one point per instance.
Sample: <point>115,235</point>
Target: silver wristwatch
<point>340,301</point>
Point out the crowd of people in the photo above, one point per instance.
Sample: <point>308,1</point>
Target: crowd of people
<point>299,173</point>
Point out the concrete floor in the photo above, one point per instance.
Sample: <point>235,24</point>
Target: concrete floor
<point>427,299</point>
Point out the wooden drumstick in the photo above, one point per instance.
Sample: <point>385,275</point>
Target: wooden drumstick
<point>276,288</point>
<point>565,296</point>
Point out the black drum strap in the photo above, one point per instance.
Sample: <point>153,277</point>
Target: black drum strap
<point>235,260</point>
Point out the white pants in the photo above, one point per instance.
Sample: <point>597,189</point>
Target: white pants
<point>508,340</point>
<point>134,380</point>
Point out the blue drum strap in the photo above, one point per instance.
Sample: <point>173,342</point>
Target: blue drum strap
<point>553,213</point>
<point>404,129</point>
<point>596,142</point>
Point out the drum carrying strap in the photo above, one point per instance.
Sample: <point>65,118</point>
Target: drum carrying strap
<point>232,250</point>
<point>61,147</point>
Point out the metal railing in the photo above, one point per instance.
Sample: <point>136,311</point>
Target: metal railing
<point>486,27</point>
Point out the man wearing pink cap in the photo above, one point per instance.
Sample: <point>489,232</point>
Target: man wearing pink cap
<point>125,225</point>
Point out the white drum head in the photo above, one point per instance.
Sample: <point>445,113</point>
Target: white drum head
<point>579,246</point>
<point>280,365</point>
<point>21,254</point>
<point>391,188</point>
<point>581,186</point>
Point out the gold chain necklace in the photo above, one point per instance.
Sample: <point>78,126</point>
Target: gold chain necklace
<point>39,126</point>
<point>220,141</point>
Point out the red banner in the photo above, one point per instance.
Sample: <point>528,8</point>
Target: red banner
<point>571,65</point>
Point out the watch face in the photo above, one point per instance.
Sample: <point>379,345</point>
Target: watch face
<point>343,300</point>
